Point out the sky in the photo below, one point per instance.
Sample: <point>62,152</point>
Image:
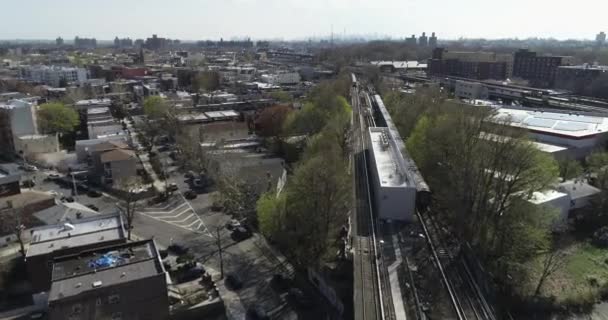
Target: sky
<point>301,19</point>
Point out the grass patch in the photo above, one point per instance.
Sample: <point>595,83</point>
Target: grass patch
<point>583,278</point>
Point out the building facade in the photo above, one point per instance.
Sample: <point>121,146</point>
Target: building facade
<point>472,65</point>
<point>18,118</point>
<point>587,80</point>
<point>54,75</point>
<point>540,71</point>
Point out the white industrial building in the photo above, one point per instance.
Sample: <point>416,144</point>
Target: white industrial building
<point>565,197</point>
<point>470,90</point>
<point>52,75</point>
<point>281,78</point>
<point>566,135</point>
<point>395,193</point>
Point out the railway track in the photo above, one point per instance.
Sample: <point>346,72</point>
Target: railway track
<point>466,297</point>
<point>368,302</point>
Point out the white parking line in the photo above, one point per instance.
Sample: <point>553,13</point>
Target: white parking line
<point>160,212</point>
<point>173,215</point>
<point>170,216</point>
<point>182,220</point>
<point>206,230</point>
<point>195,221</point>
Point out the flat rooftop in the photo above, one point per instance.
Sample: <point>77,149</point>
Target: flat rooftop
<point>567,124</point>
<point>385,155</point>
<point>90,270</point>
<point>81,232</point>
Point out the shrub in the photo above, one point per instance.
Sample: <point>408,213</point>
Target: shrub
<point>600,237</point>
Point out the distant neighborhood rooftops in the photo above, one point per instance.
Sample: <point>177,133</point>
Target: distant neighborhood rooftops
<point>400,64</point>
<point>78,233</point>
<point>93,102</point>
<point>102,268</point>
<point>117,155</point>
<point>587,66</point>
<point>109,145</point>
<point>578,189</point>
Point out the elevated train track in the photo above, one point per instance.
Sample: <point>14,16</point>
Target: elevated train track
<point>465,296</point>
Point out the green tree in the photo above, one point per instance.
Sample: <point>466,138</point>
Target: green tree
<point>598,167</point>
<point>318,199</point>
<point>271,214</point>
<point>155,107</point>
<point>570,169</point>
<point>281,96</point>
<point>478,168</point>
<point>57,118</point>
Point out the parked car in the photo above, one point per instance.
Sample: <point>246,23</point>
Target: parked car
<point>54,176</point>
<point>198,184</point>
<point>178,249</point>
<point>189,175</point>
<point>298,297</point>
<point>164,148</point>
<point>92,207</point>
<point>172,186</point>
<point>279,282</point>
<point>28,183</point>
<point>233,224</point>
<point>256,312</point>
<point>94,194</point>
<point>191,274</point>
<point>29,167</point>
<point>233,281</point>
<point>241,233</point>
<point>190,195</point>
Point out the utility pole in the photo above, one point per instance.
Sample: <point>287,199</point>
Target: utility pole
<point>219,250</point>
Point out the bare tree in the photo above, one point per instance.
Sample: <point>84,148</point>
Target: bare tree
<point>13,220</point>
<point>553,260</point>
<point>130,202</point>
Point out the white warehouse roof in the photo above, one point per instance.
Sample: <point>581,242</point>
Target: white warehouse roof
<point>564,124</point>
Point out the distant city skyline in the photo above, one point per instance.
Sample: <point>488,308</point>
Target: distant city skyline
<point>300,19</point>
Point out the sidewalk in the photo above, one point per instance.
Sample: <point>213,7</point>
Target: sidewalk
<point>234,307</point>
<point>159,185</point>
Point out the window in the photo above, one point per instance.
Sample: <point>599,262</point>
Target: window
<point>77,308</point>
<point>113,299</point>
<point>117,316</point>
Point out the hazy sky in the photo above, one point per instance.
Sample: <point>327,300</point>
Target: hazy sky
<point>289,19</point>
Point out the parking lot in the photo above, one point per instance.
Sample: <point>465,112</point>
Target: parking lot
<point>192,223</point>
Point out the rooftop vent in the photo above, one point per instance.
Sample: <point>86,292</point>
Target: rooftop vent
<point>78,285</point>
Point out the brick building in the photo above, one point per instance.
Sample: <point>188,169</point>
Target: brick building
<point>540,71</point>
<point>120,282</point>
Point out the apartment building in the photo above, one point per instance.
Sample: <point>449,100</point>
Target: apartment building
<point>54,75</point>
<point>119,282</point>
<point>540,71</point>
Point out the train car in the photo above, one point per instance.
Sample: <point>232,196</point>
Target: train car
<point>423,197</point>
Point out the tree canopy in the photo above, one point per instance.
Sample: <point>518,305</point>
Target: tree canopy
<point>482,170</point>
<point>57,118</point>
<point>306,217</point>
<point>155,107</point>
